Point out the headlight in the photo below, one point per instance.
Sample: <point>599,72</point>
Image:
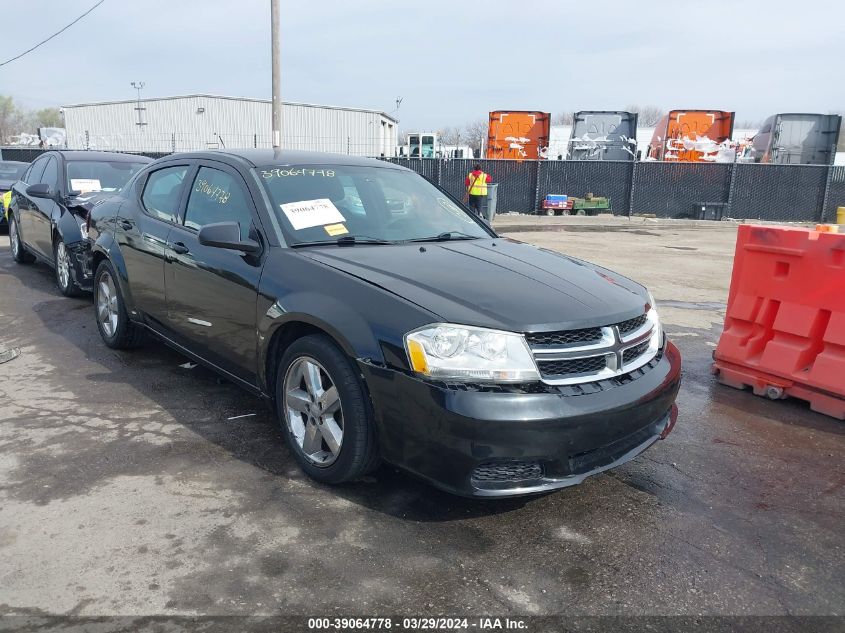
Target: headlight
<point>461,352</point>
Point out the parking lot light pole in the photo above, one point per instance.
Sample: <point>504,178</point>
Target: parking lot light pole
<point>277,88</point>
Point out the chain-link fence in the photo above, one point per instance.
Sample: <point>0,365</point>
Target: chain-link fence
<point>679,190</point>
<point>610,179</point>
<point>778,192</point>
<point>835,193</point>
<point>793,193</point>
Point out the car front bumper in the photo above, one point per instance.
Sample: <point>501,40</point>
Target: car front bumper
<point>498,443</point>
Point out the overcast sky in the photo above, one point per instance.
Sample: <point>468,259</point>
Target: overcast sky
<point>452,62</point>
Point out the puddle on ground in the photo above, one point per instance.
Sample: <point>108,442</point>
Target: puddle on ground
<point>692,305</point>
<point>578,228</point>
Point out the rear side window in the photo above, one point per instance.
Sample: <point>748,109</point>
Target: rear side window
<point>217,196</point>
<point>33,174</point>
<point>162,192</point>
<point>51,174</point>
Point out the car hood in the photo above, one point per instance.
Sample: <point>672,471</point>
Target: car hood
<point>6,185</point>
<point>497,283</point>
<point>85,202</point>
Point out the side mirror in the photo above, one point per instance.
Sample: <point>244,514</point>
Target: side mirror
<point>39,190</point>
<point>226,235</point>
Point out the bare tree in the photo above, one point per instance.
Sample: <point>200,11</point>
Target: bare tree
<point>563,118</point>
<point>450,135</point>
<point>47,117</point>
<point>13,119</point>
<point>647,116</point>
<point>475,134</point>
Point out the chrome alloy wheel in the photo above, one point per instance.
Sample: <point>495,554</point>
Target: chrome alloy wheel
<point>313,413</point>
<point>107,304</point>
<point>13,237</point>
<point>62,264</point>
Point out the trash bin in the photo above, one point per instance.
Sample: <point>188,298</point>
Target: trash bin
<point>492,198</point>
<point>709,210</point>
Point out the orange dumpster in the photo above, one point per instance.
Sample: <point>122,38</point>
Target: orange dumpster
<point>784,332</point>
<point>517,134</point>
<point>690,135</point>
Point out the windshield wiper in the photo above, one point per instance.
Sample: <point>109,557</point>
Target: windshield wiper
<point>448,235</point>
<point>346,240</point>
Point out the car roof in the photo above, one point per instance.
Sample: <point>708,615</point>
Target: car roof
<point>267,157</point>
<point>73,155</point>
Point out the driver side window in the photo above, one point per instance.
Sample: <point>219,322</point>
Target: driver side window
<point>217,196</point>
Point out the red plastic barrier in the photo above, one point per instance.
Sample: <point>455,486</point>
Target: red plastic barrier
<point>785,324</point>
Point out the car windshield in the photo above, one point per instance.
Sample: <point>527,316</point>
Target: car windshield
<point>327,203</point>
<point>99,175</point>
<point>12,171</point>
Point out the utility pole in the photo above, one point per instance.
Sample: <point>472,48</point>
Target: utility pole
<point>277,80</point>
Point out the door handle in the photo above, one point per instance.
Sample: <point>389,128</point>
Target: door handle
<point>126,225</point>
<point>179,248</point>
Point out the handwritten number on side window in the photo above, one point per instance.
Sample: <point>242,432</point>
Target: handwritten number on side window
<point>215,193</point>
<point>276,172</point>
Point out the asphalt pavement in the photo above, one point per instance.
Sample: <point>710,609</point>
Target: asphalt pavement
<point>134,484</point>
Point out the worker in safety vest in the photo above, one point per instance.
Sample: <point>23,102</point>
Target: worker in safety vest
<point>476,183</point>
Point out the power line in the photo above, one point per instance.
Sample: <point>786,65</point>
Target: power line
<point>54,34</point>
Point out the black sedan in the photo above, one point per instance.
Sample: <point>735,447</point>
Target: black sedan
<point>10,173</point>
<point>383,321</point>
<point>50,204</point>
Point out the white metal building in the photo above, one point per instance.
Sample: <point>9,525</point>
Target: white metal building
<point>193,122</point>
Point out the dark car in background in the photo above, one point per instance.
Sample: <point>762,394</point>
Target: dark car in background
<point>10,173</point>
<point>49,208</point>
<point>384,321</point>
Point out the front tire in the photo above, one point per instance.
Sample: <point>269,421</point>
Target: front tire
<point>324,412</point>
<point>116,330</point>
<point>64,275</point>
<point>19,252</point>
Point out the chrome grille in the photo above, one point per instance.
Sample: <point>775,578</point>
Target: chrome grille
<point>591,364</point>
<point>631,324</point>
<point>566,337</point>
<point>632,353</point>
<point>582,358</point>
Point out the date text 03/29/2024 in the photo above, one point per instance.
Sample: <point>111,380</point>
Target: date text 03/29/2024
<point>417,624</point>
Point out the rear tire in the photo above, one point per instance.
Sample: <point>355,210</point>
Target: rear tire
<point>115,328</point>
<point>324,411</point>
<point>64,270</point>
<point>19,252</point>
